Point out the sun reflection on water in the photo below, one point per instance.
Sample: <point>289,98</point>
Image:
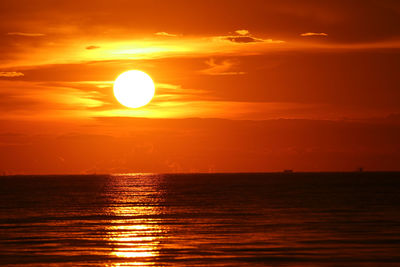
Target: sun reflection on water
<point>136,232</point>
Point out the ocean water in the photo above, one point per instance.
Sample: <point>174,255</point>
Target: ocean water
<point>272,219</point>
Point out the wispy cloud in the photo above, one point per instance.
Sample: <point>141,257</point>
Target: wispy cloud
<point>26,34</point>
<point>91,47</point>
<point>11,74</point>
<point>68,100</point>
<point>307,34</point>
<point>242,32</point>
<point>209,109</point>
<point>244,36</point>
<point>222,68</point>
<point>172,92</point>
<point>101,92</point>
<point>22,98</point>
<point>69,51</point>
<point>165,34</point>
<point>234,44</point>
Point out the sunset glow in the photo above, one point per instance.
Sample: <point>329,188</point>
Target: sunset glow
<point>300,84</point>
<point>199,133</point>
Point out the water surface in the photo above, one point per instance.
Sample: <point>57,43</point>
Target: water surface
<point>275,219</point>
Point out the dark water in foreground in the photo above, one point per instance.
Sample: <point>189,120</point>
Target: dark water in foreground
<point>299,219</point>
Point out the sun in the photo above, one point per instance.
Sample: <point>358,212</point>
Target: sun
<point>134,88</point>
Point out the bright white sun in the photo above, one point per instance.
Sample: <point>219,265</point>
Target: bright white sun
<point>134,89</point>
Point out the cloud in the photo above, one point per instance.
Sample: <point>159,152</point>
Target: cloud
<point>26,34</point>
<point>166,34</point>
<point>38,100</point>
<point>174,93</point>
<point>242,32</point>
<point>223,68</point>
<point>91,47</point>
<point>11,74</point>
<point>244,37</point>
<point>307,34</point>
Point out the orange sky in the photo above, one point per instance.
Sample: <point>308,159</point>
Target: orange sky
<point>240,86</point>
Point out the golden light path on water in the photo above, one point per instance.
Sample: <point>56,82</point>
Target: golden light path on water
<point>136,234</point>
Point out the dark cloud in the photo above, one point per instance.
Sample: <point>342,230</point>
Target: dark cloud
<point>243,39</point>
<point>91,47</point>
<point>244,36</point>
<point>26,34</point>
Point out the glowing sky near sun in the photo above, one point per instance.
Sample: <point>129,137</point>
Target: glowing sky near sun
<point>319,79</point>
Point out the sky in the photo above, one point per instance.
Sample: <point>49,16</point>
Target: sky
<point>241,86</point>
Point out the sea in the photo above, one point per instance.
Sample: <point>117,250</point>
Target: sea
<point>225,219</point>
